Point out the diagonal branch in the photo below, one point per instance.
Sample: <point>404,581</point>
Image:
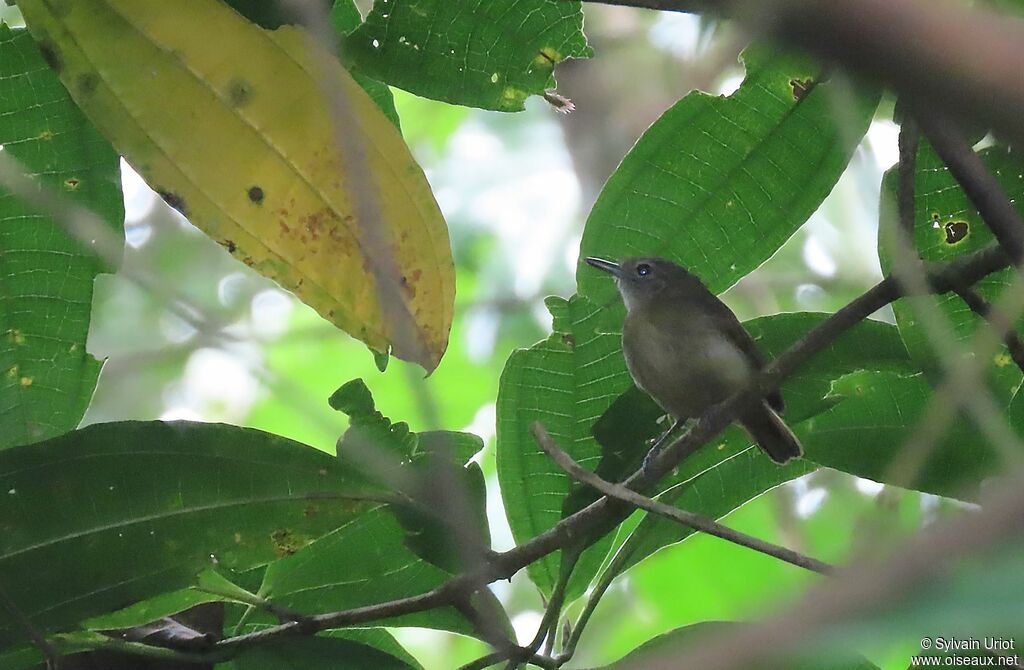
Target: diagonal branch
<point>902,43</point>
<point>692,520</point>
<point>983,308</point>
<point>860,588</point>
<point>606,513</point>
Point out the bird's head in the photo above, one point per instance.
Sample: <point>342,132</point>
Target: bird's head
<point>643,280</point>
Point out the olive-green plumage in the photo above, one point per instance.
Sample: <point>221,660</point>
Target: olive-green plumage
<point>686,349</point>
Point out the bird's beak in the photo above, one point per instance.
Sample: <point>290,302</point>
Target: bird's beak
<point>610,267</point>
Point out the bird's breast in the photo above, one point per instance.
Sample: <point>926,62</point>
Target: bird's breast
<point>686,367</point>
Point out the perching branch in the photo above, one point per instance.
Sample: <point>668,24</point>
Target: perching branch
<point>606,513</point>
<point>697,522</point>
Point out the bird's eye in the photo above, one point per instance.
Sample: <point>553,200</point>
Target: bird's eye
<point>643,269</point>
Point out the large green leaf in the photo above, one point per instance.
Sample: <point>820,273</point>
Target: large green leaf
<point>491,54</point>
<point>690,637</point>
<point>400,550</point>
<point>431,468</point>
<point>115,513</point>
<point>864,433</point>
<point>345,18</point>
<point>46,277</point>
<point>584,373</point>
<point>946,226</point>
<point>565,382</point>
<point>342,649</point>
<point>717,184</point>
<point>364,562</point>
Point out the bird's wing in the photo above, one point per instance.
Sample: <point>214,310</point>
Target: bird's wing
<point>739,336</point>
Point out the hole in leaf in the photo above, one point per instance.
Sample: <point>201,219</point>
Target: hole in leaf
<point>956,231</point>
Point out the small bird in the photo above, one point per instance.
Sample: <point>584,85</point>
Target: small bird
<point>687,350</point>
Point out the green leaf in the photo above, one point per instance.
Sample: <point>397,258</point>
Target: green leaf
<point>730,472</point>
<point>115,513</point>
<point>431,469</point>
<point>343,649</point>
<point>717,184</point>
<point>29,656</point>
<point>946,226</point>
<point>566,383</point>
<point>46,277</point>
<point>345,18</point>
<point>869,345</point>
<point>690,637</point>
<point>572,378</point>
<point>863,435</point>
<point>150,609</point>
<point>715,492</point>
<point>481,54</point>
<point>364,562</point>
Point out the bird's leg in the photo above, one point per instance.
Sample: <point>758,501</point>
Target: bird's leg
<point>660,442</point>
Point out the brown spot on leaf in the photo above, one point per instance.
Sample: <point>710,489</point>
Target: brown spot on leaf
<point>240,92</point>
<point>86,84</point>
<point>800,87</point>
<point>956,231</point>
<point>230,246</point>
<point>569,340</point>
<point>255,194</point>
<point>285,542</point>
<point>175,201</point>
<point>50,55</point>
<point>71,184</point>
<point>310,511</point>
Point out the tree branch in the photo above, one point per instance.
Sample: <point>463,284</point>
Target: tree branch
<point>860,588</point>
<point>604,514</point>
<point>697,522</point>
<point>902,43</point>
<point>983,308</point>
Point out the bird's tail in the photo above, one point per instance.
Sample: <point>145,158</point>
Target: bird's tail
<point>771,433</point>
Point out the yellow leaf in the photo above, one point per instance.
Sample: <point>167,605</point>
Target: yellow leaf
<point>232,124</point>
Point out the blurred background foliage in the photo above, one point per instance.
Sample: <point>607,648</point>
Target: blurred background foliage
<point>516,190</point>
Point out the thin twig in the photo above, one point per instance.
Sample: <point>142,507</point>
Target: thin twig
<point>50,653</point>
<point>697,522</point>
<point>551,613</point>
<point>860,588</point>
<point>606,512</point>
<point>496,657</point>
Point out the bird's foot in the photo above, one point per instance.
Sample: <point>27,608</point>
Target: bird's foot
<point>649,459</point>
